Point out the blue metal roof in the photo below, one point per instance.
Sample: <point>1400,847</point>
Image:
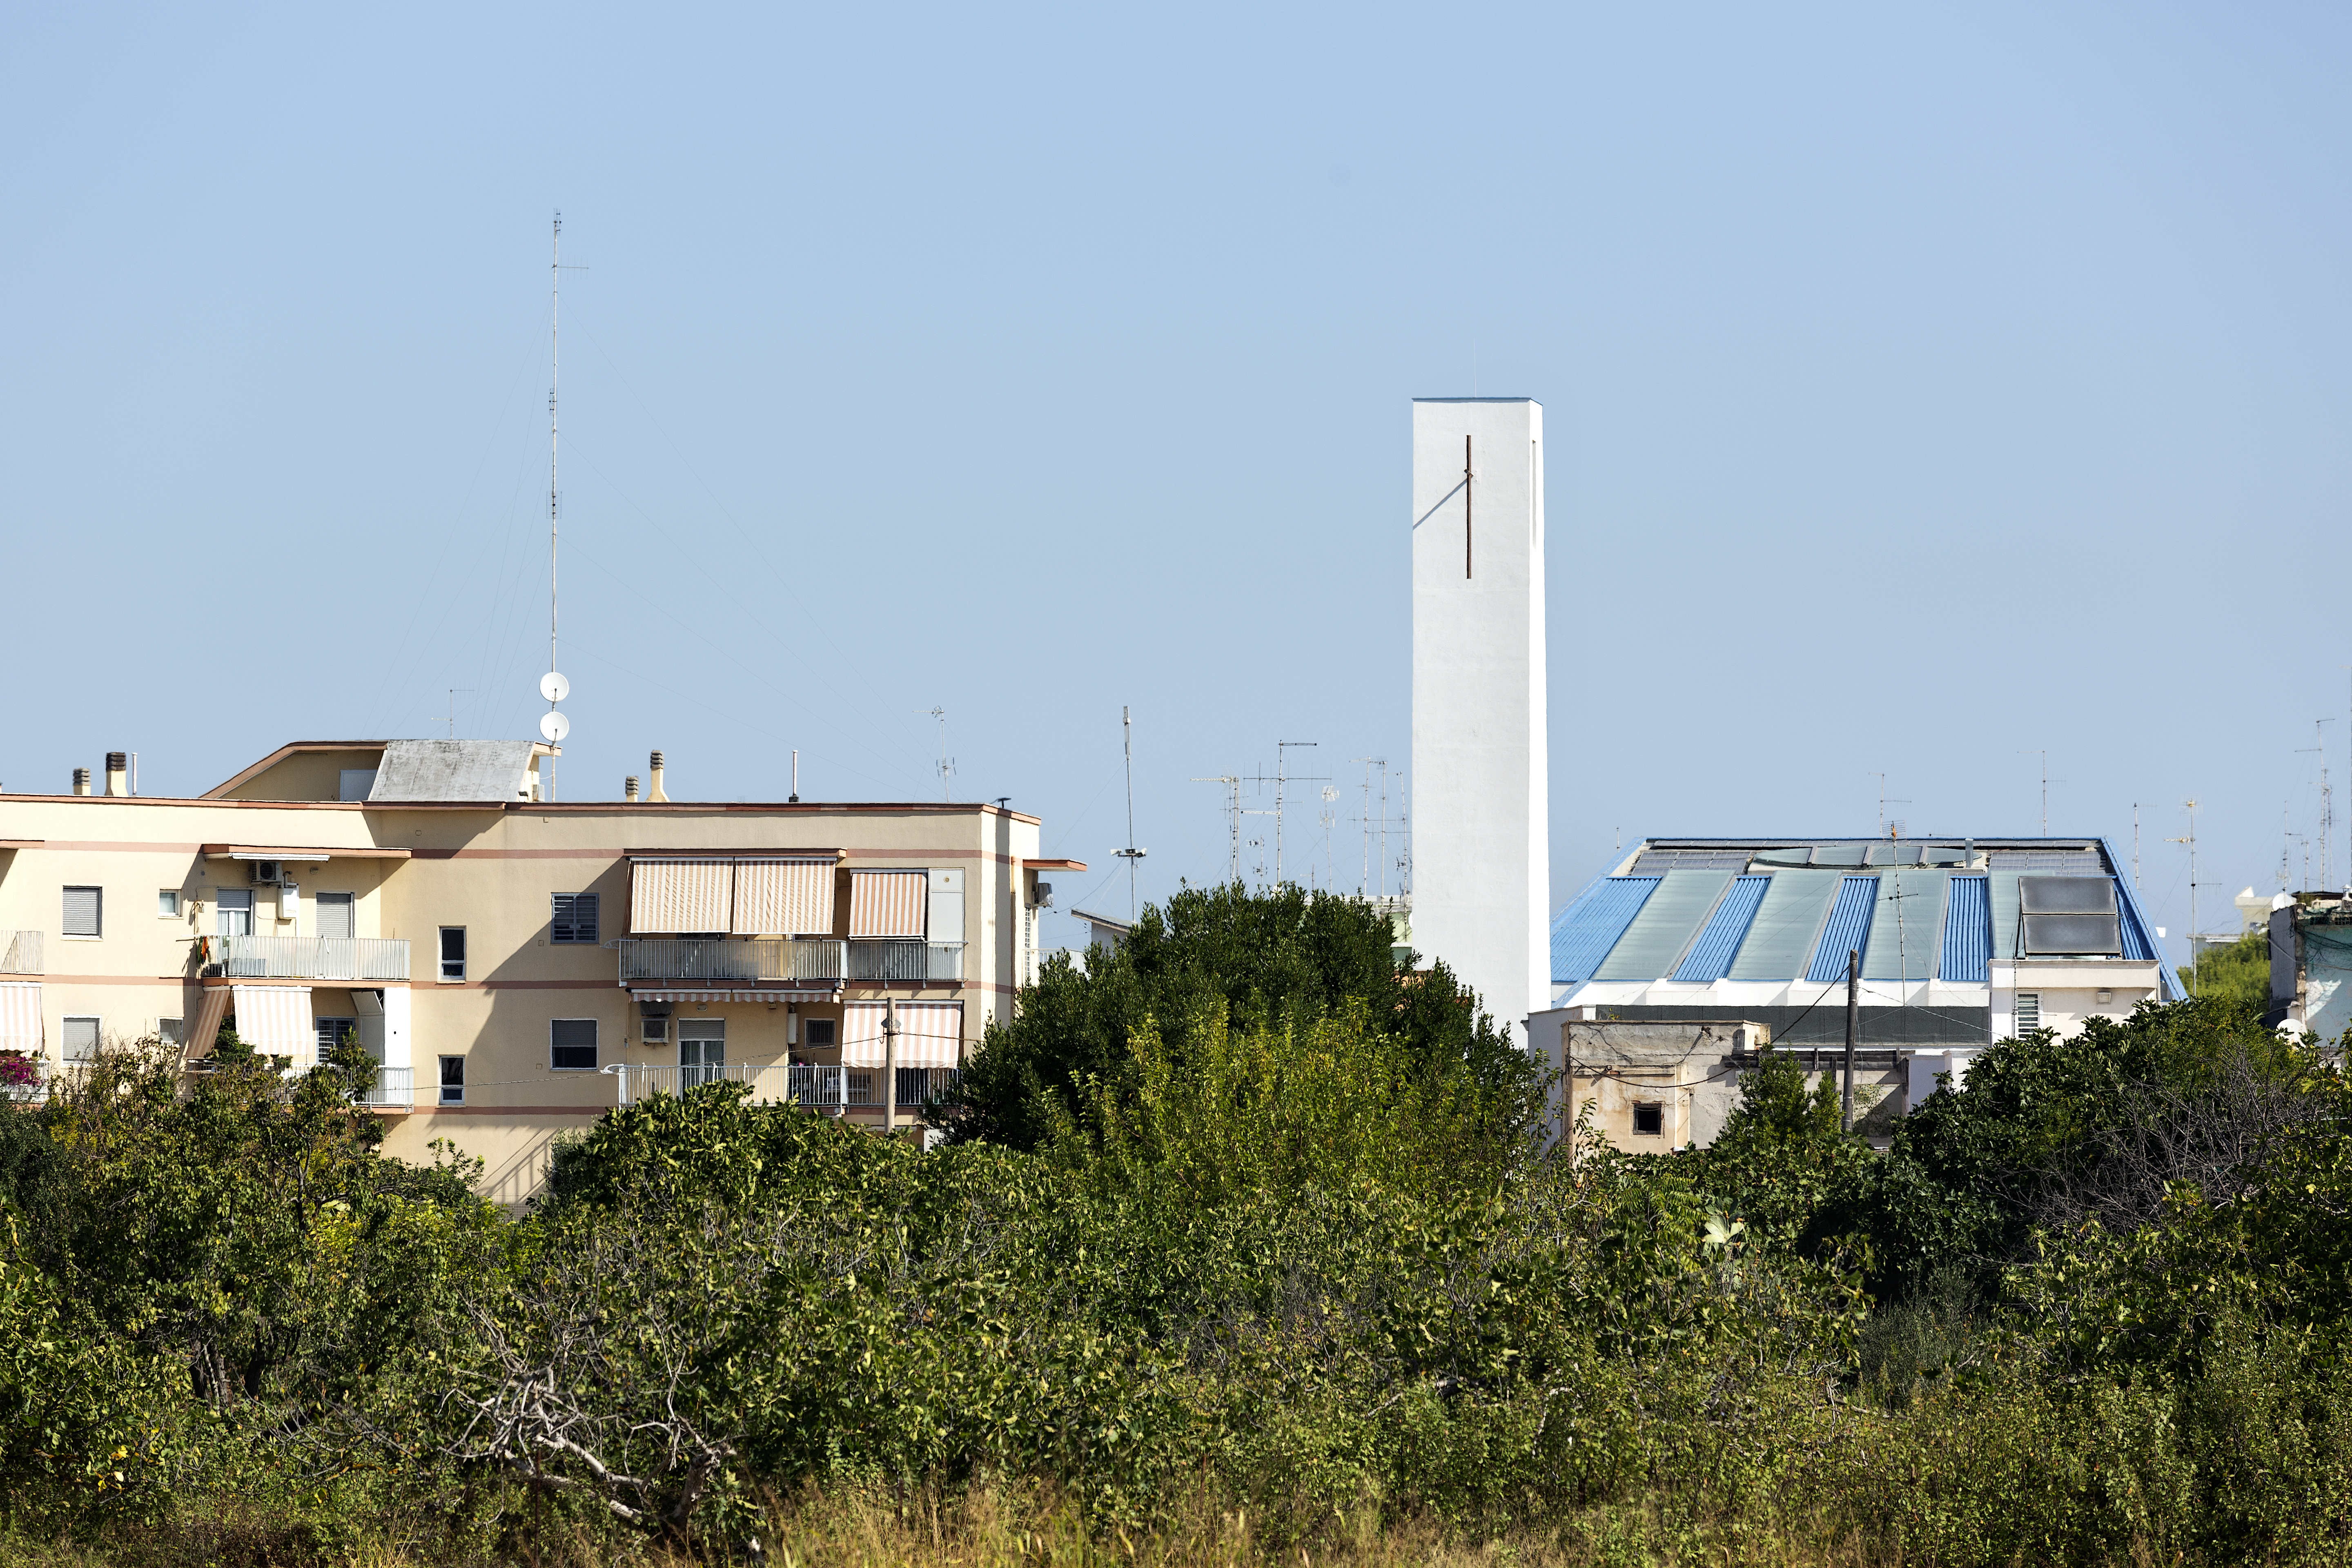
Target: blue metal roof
<point>1710,956</point>
<point>1968,931</point>
<point>1583,933</point>
<point>1848,930</point>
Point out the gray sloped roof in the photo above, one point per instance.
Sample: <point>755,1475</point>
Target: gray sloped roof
<point>453,770</point>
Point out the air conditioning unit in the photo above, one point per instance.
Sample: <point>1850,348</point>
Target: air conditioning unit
<point>267,871</point>
<point>1045,894</point>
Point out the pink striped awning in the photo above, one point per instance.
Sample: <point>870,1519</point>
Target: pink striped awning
<point>20,1015</point>
<point>930,1034</point>
<point>784,898</point>
<point>887,903</point>
<point>276,1020</point>
<point>770,997</point>
<point>669,896</point>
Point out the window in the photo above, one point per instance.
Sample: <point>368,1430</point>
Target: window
<point>81,1039</point>
<point>332,1032</point>
<point>232,912</point>
<point>817,1031</point>
<point>571,1044</point>
<point>2029,1011</point>
<point>167,902</point>
<point>453,1080</point>
<point>453,952</point>
<point>1649,1119</point>
<point>335,914</point>
<point>701,1051</point>
<point>173,1032</point>
<point>355,784</point>
<point>84,908</point>
<point>575,918</point>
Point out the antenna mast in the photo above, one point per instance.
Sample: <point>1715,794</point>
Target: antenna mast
<point>1131,854</point>
<point>552,725</point>
<point>2192,842</point>
<point>1233,783</point>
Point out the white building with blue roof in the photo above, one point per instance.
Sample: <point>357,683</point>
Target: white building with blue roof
<point>1962,942</point>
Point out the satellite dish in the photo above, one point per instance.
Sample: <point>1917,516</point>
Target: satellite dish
<point>554,726</point>
<point>553,687</point>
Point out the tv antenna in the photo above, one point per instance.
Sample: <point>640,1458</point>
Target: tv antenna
<point>552,725</point>
<point>2326,803</point>
<point>1233,811</point>
<point>2046,782</point>
<point>1131,855</point>
<point>1885,801</point>
<point>2191,841</point>
<point>945,766</point>
<point>453,708</point>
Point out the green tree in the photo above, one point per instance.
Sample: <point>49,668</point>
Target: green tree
<point>1262,961</point>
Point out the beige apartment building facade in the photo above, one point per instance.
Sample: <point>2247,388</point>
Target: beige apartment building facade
<point>518,966</point>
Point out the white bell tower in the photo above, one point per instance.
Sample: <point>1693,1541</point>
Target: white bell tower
<point>1481,854</point>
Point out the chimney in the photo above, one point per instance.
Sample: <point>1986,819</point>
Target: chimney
<point>629,787</point>
<point>81,780</point>
<point>118,773</point>
<point>657,792</point>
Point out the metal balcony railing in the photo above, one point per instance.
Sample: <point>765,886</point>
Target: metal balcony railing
<point>731,960</point>
<point>395,1090</point>
<point>307,957</point>
<point>826,1089</point>
<point>880,961</point>
<point>20,953</point>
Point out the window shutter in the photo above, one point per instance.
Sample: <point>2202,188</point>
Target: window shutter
<point>334,915</point>
<point>81,911</point>
<point>573,1044</point>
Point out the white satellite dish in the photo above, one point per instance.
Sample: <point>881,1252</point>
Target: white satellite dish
<point>554,726</point>
<point>553,687</point>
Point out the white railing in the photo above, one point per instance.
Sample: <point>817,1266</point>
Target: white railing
<point>872,959</point>
<point>827,1088</point>
<point>395,1090</point>
<point>746,961</point>
<point>20,953</point>
<point>307,957</point>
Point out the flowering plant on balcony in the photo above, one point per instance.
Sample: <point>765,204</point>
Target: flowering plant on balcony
<point>18,1070</point>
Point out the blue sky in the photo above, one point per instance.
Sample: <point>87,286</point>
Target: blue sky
<point>1925,387</point>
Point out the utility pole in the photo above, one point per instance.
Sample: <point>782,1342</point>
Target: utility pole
<point>1853,1026</point>
<point>889,1064</point>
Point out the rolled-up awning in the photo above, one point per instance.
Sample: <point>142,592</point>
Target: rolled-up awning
<point>784,898</point>
<point>276,1020</point>
<point>771,998</point>
<point>20,1015</point>
<point>931,1035</point>
<point>670,896</point>
<point>887,903</point>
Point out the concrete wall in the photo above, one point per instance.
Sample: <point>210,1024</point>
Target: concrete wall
<point>1481,847</point>
<point>2071,992</point>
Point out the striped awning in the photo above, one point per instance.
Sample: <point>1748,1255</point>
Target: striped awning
<point>20,1015</point>
<point>930,1034</point>
<point>886,903</point>
<point>682,895</point>
<point>784,898</point>
<point>276,1020</point>
<point>198,1041</point>
<point>771,998</point>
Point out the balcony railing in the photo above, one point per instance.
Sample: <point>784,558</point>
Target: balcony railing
<point>20,953</point>
<point>882,962</point>
<point>395,1090</point>
<point>827,1088</point>
<point>308,957</point>
<point>738,962</point>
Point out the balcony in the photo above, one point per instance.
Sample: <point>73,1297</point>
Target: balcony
<point>20,953</point>
<point>347,958</point>
<point>826,1089</point>
<point>921,963</point>
<point>700,960</point>
<point>395,1090</point>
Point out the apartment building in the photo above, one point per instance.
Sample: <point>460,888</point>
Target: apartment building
<point>519,966</point>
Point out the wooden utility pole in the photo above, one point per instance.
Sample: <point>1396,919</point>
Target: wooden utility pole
<point>1853,1022</point>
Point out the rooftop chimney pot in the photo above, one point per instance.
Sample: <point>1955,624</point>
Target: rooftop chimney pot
<point>118,773</point>
<point>656,793</point>
<point>81,780</point>
<point>629,787</point>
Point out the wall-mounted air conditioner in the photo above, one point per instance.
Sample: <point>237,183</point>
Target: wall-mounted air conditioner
<point>267,871</point>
